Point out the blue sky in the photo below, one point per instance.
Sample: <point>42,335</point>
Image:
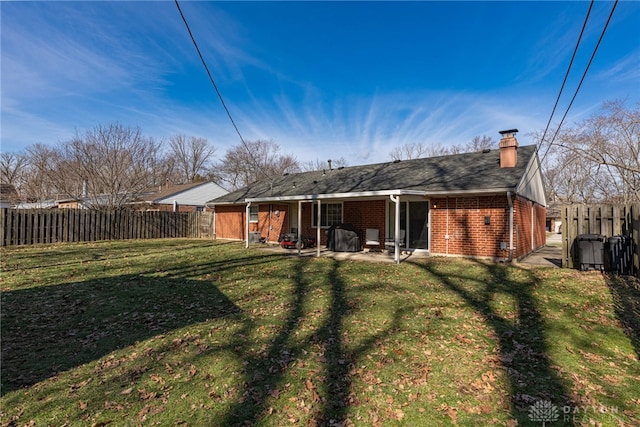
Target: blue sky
<point>321,79</point>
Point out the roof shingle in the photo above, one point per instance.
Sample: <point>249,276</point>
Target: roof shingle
<point>478,171</point>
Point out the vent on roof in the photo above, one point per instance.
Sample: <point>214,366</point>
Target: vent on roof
<point>486,150</point>
<point>396,161</point>
<point>285,174</point>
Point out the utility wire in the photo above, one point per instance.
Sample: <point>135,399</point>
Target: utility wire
<point>213,83</point>
<point>575,94</point>
<point>575,50</point>
<point>585,72</point>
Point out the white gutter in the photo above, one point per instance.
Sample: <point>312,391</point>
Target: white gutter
<point>510,225</point>
<point>385,193</point>
<point>307,197</point>
<point>396,238</point>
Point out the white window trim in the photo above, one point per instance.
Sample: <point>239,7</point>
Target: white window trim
<point>313,215</point>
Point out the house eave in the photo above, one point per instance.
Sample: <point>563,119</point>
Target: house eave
<point>365,194</point>
<point>312,197</point>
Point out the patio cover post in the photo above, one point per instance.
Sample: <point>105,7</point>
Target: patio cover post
<point>396,238</point>
<point>318,222</point>
<point>299,224</point>
<point>246,245</point>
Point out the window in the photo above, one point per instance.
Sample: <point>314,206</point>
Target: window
<point>330,214</point>
<point>253,213</point>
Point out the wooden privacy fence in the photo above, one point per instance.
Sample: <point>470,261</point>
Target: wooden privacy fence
<point>607,221</point>
<point>31,226</point>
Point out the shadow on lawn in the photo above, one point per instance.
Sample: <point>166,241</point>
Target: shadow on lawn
<point>625,292</point>
<point>50,329</point>
<point>521,340</point>
<point>331,389</point>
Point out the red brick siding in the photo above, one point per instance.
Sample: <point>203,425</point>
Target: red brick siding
<point>525,211</point>
<point>361,214</point>
<point>269,224</point>
<point>468,234</point>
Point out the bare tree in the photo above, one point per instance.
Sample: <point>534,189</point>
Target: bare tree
<point>247,163</point>
<point>320,165</point>
<point>107,166</point>
<point>38,185</point>
<point>12,168</point>
<point>602,154</point>
<point>409,151</point>
<point>191,156</point>
<point>418,150</point>
<point>480,143</point>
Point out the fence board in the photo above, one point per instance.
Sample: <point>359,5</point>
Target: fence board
<point>26,227</point>
<point>605,220</point>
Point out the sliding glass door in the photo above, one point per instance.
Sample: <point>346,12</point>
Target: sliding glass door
<point>414,219</point>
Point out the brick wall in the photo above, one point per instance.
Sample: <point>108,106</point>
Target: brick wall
<point>361,214</point>
<point>464,218</point>
<point>273,220</point>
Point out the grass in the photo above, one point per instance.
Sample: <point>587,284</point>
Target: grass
<point>192,332</point>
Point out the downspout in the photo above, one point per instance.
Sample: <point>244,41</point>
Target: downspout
<point>247,225</point>
<point>510,226</point>
<point>318,219</point>
<point>396,238</point>
<point>214,223</point>
<point>532,223</point>
<point>446,237</point>
<point>300,226</point>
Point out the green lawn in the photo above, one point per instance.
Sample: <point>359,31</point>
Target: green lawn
<point>200,333</point>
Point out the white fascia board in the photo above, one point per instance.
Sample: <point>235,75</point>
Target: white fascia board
<point>308,197</point>
<point>485,191</point>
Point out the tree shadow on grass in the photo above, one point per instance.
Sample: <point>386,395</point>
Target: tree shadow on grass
<point>625,292</point>
<point>521,339</point>
<point>46,330</point>
<point>331,389</point>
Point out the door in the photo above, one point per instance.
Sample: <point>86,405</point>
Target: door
<point>414,219</point>
<point>418,231</point>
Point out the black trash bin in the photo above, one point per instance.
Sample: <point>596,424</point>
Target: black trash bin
<point>591,252</point>
<point>620,253</point>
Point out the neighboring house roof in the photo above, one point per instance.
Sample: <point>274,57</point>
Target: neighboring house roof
<point>193,194</point>
<point>42,204</point>
<point>457,174</point>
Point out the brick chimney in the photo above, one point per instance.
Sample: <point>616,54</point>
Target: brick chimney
<point>508,148</point>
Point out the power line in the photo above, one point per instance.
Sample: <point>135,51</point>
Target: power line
<point>213,83</point>
<point>575,94</point>
<point>575,50</point>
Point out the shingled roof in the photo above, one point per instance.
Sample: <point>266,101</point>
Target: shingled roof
<point>454,174</point>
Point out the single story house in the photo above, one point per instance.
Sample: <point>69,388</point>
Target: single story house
<point>191,197</point>
<point>488,204</point>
